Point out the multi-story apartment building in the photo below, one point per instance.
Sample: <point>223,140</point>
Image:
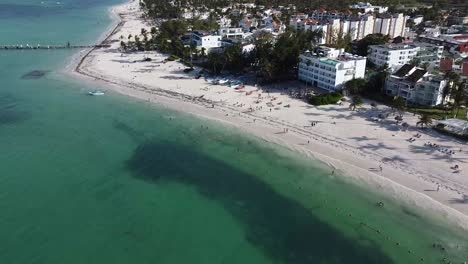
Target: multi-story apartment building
<point>416,86</point>
<point>358,27</point>
<point>392,25</point>
<point>330,68</point>
<point>394,55</point>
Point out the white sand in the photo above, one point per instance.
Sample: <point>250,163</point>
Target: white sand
<point>347,140</point>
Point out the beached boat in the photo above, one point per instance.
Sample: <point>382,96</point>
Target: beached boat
<point>97,92</point>
<point>236,84</point>
<point>223,81</point>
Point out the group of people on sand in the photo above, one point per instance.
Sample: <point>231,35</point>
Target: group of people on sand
<point>443,150</point>
<point>413,139</point>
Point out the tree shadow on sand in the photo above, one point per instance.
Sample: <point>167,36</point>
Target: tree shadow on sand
<point>281,228</point>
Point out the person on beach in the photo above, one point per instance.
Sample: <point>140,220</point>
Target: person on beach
<point>438,187</point>
<point>380,167</point>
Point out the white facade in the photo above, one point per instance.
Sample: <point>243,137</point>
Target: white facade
<point>391,25</point>
<point>398,54</point>
<point>224,22</point>
<point>330,68</point>
<point>205,40</point>
<point>358,28</point>
<point>417,20</point>
<point>416,86</point>
<point>231,33</point>
<point>369,8</point>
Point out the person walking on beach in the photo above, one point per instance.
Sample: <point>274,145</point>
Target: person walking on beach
<point>380,167</point>
<point>438,187</point>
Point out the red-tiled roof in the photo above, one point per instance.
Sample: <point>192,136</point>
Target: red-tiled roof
<point>464,68</point>
<point>446,64</point>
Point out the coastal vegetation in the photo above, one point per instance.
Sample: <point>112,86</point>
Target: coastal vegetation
<point>175,8</point>
<point>424,120</point>
<point>356,101</point>
<point>325,99</point>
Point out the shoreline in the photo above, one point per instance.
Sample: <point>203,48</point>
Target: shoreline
<point>351,162</point>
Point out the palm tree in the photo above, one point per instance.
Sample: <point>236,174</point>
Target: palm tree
<point>453,80</point>
<point>356,102</point>
<point>123,46</point>
<point>399,103</point>
<point>424,120</point>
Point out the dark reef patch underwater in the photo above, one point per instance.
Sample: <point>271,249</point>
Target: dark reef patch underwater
<point>32,75</point>
<point>281,228</point>
<point>9,113</point>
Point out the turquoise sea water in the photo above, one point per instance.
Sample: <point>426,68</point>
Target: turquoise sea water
<point>114,180</point>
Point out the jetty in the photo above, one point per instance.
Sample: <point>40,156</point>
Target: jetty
<point>50,47</point>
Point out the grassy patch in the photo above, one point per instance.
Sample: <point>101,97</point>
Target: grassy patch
<point>438,113</point>
<point>325,99</point>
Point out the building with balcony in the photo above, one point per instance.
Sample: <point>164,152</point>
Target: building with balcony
<point>416,86</point>
<point>395,55</point>
<point>205,40</point>
<point>330,68</point>
<point>358,27</point>
<point>231,33</point>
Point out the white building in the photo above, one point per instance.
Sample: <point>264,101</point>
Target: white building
<point>416,86</point>
<point>206,40</point>
<point>189,14</point>
<point>432,32</point>
<point>392,25</point>
<point>330,68</point>
<point>224,21</point>
<point>369,8</point>
<point>395,55</point>
<point>358,27</point>
<point>417,20</point>
<point>231,33</point>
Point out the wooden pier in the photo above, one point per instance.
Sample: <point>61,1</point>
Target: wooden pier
<point>50,47</point>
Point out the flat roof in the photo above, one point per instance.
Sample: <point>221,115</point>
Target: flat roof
<point>329,61</point>
<point>404,46</point>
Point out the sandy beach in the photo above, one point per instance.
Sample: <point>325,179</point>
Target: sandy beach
<point>357,143</point>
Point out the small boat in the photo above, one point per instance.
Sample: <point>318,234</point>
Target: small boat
<point>239,87</point>
<point>96,93</point>
<point>223,81</point>
<point>235,84</point>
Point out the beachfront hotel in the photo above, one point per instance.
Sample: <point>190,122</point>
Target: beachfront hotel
<point>416,86</point>
<point>399,54</point>
<point>330,68</point>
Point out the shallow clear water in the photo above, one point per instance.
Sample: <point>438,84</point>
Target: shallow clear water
<point>114,180</point>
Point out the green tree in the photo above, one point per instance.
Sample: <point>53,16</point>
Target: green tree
<point>356,102</point>
<point>415,61</point>
<point>372,39</point>
<point>424,120</point>
<point>123,45</point>
<point>453,81</point>
<point>399,103</point>
<point>356,86</point>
